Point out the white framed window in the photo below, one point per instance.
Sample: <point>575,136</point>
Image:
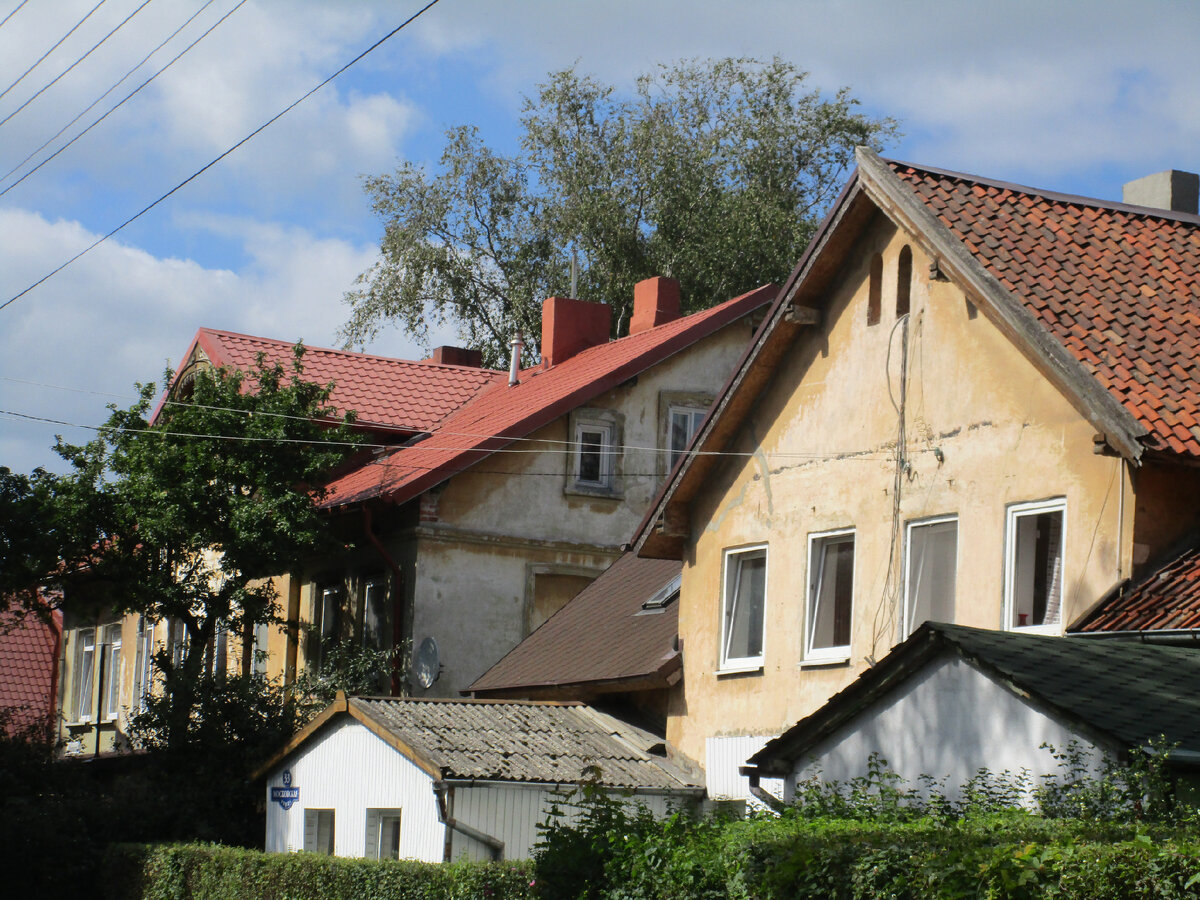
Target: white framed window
<point>930,572</point>
<point>383,834</point>
<point>85,667</point>
<point>682,423</point>
<point>743,608</point>
<point>261,653</point>
<point>375,614</point>
<point>596,436</point>
<point>1034,540</point>
<point>180,639</point>
<point>110,689</point>
<point>319,831</point>
<point>830,595</point>
<point>327,602</point>
<point>143,664</point>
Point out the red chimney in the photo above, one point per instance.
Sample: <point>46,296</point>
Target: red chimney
<point>569,326</point>
<point>655,302</point>
<point>457,356</point>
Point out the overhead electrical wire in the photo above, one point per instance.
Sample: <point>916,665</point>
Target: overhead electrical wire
<point>216,160</point>
<point>58,44</point>
<point>121,102</point>
<point>4,21</point>
<point>57,78</point>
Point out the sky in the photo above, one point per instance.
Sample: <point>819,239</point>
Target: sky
<point>1077,97</point>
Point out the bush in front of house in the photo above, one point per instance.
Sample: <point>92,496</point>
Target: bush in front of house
<point>213,872</point>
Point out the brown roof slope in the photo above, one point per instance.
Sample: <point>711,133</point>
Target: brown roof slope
<point>598,641</point>
<point>1167,599</point>
<point>29,650</point>
<point>1118,286</point>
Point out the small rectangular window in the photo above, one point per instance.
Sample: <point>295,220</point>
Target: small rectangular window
<point>85,665</point>
<point>830,595</point>
<point>383,834</point>
<point>594,454</point>
<point>744,606</point>
<point>1034,542</point>
<point>319,831</point>
<point>375,614</point>
<point>682,423</point>
<point>329,610</point>
<point>930,572</point>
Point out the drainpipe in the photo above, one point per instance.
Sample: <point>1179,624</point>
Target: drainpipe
<point>397,599</point>
<point>445,801</point>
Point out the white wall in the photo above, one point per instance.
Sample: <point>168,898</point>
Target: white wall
<point>724,756</point>
<point>348,769</point>
<point>947,721</point>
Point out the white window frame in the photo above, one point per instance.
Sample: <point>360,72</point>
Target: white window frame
<point>695,418</point>
<point>816,544</point>
<point>84,682</point>
<point>608,424</point>
<point>327,596</point>
<point>907,625</point>
<point>377,820</point>
<point>110,690</point>
<point>1013,514</point>
<point>604,462</point>
<point>730,569</point>
<point>143,666</point>
<point>260,655</point>
<point>314,840</point>
<point>375,620</point>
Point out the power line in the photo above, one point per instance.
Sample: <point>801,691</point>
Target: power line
<point>74,28</point>
<point>204,169</point>
<point>120,103</point>
<point>4,21</point>
<point>60,75</point>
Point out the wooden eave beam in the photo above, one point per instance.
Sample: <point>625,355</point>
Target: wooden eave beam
<point>1122,431</point>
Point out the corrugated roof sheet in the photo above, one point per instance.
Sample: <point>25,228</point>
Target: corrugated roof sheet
<point>1118,286</point>
<point>392,393</point>
<point>501,413</point>
<point>600,636</point>
<point>1166,599</point>
<point>28,658</point>
<point>548,743</point>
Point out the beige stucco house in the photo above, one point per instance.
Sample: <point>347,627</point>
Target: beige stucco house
<point>972,403</point>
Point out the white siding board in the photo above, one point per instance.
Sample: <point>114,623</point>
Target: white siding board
<point>348,769</point>
<point>948,721</point>
<point>724,756</point>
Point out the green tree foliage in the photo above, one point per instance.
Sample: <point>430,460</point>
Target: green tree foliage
<point>713,172</point>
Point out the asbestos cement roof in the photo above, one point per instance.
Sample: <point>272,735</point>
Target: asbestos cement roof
<point>506,740</point>
<point>1128,692</point>
<point>603,639</point>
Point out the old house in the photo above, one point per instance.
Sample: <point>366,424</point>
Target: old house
<point>439,780</point>
<point>972,402</point>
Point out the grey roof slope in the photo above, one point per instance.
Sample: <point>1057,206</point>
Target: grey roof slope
<point>599,641</point>
<point>1130,693</point>
<point>510,740</point>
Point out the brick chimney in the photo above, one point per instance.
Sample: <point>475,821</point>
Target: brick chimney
<point>569,326</point>
<point>655,302</point>
<point>1172,189</point>
<point>457,356</point>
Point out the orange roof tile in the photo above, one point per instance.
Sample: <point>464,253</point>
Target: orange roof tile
<point>498,414</point>
<point>1117,285</point>
<point>29,650</point>
<point>1168,599</point>
<point>394,394</point>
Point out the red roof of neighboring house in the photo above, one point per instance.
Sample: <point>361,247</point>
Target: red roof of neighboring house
<point>500,413</point>
<point>394,394</point>
<point>29,649</point>
<point>602,639</point>
<point>1167,599</point>
<point>1118,286</point>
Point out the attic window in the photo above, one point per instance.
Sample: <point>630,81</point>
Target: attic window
<point>663,597</point>
<point>875,290</point>
<point>903,281</point>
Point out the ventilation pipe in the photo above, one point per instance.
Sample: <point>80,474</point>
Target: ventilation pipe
<point>514,365</point>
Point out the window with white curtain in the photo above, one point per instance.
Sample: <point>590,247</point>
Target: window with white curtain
<point>930,572</point>
<point>743,607</point>
<point>830,595</point>
<point>1035,537</point>
<point>110,690</point>
<point>85,667</point>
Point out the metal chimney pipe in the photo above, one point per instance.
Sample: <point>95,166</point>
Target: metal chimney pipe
<point>514,364</point>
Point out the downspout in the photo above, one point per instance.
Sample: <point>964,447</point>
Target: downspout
<point>445,801</point>
<point>397,600</point>
<point>51,722</point>
<point>761,793</point>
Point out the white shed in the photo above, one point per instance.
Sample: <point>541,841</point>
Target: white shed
<point>437,780</point>
<point>951,700</point>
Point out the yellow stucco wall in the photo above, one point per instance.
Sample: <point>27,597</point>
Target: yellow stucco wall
<point>822,444</point>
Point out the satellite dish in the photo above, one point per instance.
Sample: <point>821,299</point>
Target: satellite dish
<point>426,665</point>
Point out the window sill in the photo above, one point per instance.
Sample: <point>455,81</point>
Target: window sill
<point>733,671</point>
<point>587,490</point>
<point>1051,630</point>
<point>830,663</point>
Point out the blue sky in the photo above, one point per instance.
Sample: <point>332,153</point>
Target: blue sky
<point>1073,96</point>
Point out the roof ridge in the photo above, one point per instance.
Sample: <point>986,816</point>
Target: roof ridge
<point>1056,196</point>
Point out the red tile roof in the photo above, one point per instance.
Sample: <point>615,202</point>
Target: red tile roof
<point>598,639</point>
<point>1168,599</point>
<point>28,669</point>
<point>1118,286</point>
<point>498,414</point>
<point>393,393</point>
